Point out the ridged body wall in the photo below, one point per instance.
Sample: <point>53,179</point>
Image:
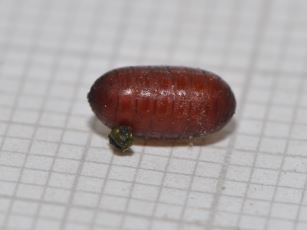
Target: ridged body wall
<point>162,101</point>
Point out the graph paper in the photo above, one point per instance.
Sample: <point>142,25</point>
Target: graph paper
<point>57,170</point>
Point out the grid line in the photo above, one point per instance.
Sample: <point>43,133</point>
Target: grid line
<point>57,170</point>
<point>56,62</point>
<point>148,28</point>
<point>112,60</point>
<point>264,123</point>
<point>253,58</point>
<point>24,77</point>
<point>288,26</point>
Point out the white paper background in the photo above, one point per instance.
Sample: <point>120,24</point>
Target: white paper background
<point>56,168</point>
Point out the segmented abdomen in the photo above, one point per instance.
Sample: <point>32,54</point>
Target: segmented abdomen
<point>163,102</point>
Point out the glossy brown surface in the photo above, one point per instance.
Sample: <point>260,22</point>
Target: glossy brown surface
<point>162,102</point>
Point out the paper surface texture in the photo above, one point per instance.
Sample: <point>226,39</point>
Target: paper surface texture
<point>57,170</point>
